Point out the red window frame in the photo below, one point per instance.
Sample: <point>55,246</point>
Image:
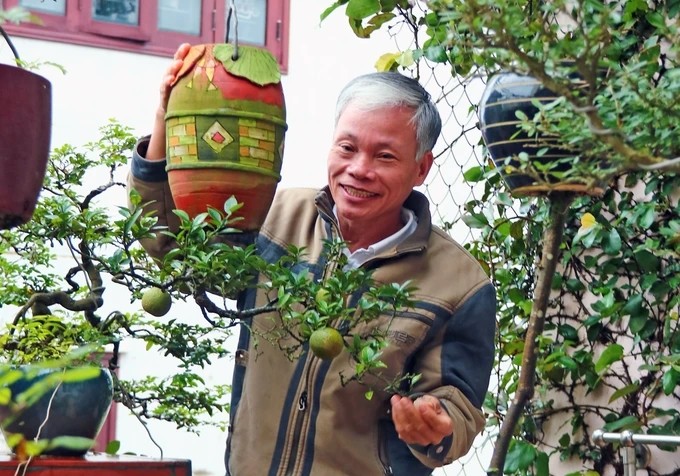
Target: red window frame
<point>78,27</point>
<point>108,431</point>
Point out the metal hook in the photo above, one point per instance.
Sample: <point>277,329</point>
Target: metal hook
<point>232,9</point>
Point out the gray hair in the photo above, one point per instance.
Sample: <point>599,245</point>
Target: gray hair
<point>389,89</point>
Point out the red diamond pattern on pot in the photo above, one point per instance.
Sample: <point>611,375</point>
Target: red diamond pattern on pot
<point>217,137</point>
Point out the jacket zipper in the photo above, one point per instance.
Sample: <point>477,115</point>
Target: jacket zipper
<point>382,450</point>
<point>300,417</point>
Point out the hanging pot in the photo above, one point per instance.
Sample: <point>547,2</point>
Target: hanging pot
<point>68,408</point>
<point>26,105</point>
<point>505,94</point>
<point>225,128</point>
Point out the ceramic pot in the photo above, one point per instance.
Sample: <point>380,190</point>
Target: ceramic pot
<point>505,94</point>
<point>70,408</point>
<point>26,105</point>
<point>225,128</point>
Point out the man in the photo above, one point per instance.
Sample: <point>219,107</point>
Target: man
<point>297,418</point>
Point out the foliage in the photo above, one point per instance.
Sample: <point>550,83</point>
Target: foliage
<point>603,59</point>
<point>607,354</point>
<point>14,15</point>
<point>60,271</point>
<point>19,15</point>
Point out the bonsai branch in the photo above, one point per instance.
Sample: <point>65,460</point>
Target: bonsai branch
<point>206,305</point>
<point>552,238</point>
<point>62,298</point>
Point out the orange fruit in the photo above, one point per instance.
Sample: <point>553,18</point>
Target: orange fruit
<point>326,343</point>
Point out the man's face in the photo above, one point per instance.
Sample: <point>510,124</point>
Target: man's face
<point>372,166</point>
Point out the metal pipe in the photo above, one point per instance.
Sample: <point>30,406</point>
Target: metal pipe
<point>627,438</point>
<point>628,460</point>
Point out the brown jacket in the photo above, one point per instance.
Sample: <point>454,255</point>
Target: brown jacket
<point>296,418</point>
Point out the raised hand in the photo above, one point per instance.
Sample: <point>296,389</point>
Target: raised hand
<point>156,149</point>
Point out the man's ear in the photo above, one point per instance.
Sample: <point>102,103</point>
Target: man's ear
<point>424,167</point>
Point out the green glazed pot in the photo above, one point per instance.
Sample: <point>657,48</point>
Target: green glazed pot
<point>225,128</point>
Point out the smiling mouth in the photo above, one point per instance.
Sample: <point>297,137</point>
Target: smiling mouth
<point>355,192</point>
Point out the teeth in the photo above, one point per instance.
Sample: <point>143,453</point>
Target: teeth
<point>358,193</point>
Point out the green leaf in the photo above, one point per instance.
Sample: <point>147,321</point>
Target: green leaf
<point>647,261</point>
<point>360,9</point>
<point>78,374</point>
<point>520,456</point>
<point>252,63</point>
<point>5,395</point>
<point>473,174</point>
<point>436,54</point>
<point>331,9</point>
<point>637,323</point>
<point>542,464</point>
<point>622,392</point>
<point>568,332</point>
<point>476,220</point>
<point>611,244</point>
<point>628,422</point>
<point>112,447</point>
<point>669,381</point>
<point>71,442</point>
<point>611,354</point>
<point>633,305</point>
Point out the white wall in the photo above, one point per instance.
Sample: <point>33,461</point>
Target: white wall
<point>101,84</point>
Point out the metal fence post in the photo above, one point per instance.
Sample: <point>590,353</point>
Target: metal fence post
<point>628,440</point>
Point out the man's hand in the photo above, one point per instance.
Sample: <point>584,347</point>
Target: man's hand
<point>171,73</point>
<point>156,149</point>
<point>421,422</point>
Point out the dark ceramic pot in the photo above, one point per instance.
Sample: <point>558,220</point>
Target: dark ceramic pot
<point>76,408</point>
<point>26,105</point>
<point>505,94</point>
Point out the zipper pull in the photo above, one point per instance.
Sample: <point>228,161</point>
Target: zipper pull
<point>302,403</point>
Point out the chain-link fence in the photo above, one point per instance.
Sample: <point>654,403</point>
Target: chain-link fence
<point>458,149</point>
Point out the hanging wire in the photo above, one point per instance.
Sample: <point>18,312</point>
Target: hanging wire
<point>231,9</point>
<point>11,46</point>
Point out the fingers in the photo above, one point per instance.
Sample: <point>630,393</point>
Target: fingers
<point>171,74</point>
<point>434,415</point>
<point>422,422</point>
<point>182,51</point>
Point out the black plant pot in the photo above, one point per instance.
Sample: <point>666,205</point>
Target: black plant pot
<point>76,408</point>
<point>25,130</point>
<point>505,94</point>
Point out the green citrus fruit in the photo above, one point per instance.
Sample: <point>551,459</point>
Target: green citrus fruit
<point>156,301</point>
<point>326,343</point>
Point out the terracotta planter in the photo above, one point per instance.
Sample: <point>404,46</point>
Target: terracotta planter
<point>225,124</point>
<point>71,408</point>
<point>26,105</point>
<point>504,95</point>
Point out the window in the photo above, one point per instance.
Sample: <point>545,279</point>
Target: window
<point>158,26</point>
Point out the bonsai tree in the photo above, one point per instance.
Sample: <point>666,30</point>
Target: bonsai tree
<point>60,312</point>
<point>587,301</point>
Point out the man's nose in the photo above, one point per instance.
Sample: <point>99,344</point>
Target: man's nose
<point>361,166</point>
